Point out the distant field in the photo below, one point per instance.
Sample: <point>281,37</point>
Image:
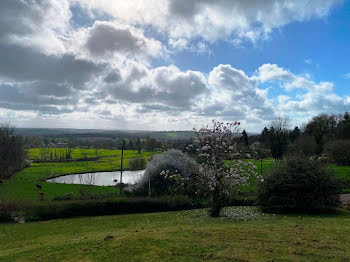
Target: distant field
<point>243,234</point>
<point>34,153</point>
<point>22,185</point>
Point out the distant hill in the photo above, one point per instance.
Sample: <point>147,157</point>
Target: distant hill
<point>100,133</point>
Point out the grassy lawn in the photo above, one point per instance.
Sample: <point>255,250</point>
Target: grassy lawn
<point>243,235</point>
<point>22,185</point>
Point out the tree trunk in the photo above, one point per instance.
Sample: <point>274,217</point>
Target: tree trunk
<point>216,205</point>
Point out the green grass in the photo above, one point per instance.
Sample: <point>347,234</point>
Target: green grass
<point>34,153</point>
<point>243,235</point>
<point>22,185</point>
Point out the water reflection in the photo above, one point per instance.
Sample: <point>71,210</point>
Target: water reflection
<point>101,178</point>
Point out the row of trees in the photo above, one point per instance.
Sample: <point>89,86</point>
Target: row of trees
<point>323,134</point>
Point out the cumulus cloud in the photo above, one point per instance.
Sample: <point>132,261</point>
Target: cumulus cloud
<point>102,74</point>
<point>315,97</point>
<point>106,38</point>
<point>213,20</point>
<point>168,85</point>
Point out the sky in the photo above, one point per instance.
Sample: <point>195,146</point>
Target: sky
<point>172,64</point>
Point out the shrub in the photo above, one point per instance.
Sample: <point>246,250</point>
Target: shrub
<point>8,209</point>
<point>339,150</point>
<point>53,210</point>
<point>299,185</point>
<point>137,163</point>
<point>172,160</point>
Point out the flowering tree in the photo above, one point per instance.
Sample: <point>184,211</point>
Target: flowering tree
<point>215,145</point>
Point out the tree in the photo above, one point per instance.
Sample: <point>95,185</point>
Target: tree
<point>244,138</point>
<point>214,145</point>
<point>12,153</point>
<point>138,145</point>
<point>304,145</point>
<point>322,128</point>
<point>343,128</point>
<point>293,135</point>
<point>277,138</point>
<point>151,144</point>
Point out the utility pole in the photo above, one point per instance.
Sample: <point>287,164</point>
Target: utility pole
<point>121,167</point>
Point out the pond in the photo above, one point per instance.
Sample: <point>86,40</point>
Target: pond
<point>100,178</point>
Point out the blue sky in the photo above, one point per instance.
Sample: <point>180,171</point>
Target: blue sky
<point>172,64</point>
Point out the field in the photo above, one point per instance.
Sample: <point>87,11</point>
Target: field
<point>77,153</point>
<point>243,235</point>
<point>22,185</point>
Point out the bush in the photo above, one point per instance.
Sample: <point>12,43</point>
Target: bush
<point>8,209</point>
<point>172,160</point>
<point>339,150</point>
<point>299,185</point>
<point>53,210</point>
<point>138,163</point>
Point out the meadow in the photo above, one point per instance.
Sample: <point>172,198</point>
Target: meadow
<point>241,234</point>
<point>22,185</point>
<point>78,153</point>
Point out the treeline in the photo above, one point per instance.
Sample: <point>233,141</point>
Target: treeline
<point>323,136</point>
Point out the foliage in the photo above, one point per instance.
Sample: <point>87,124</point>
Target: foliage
<point>299,185</point>
<point>339,150</point>
<point>137,163</point>
<point>294,134</point>
<point>304,145</point>
<point>151,144</point>
<point>109,206</point>
<point>343,128</point>
<point>214,145</point>
<point>277,137</point>
<point>171,161</point>
<point>321,128</point>
<point>12,154</point>
<point>244,138</point>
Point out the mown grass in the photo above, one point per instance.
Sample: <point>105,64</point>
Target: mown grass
<point>244,234</point>
<point>22,185</point>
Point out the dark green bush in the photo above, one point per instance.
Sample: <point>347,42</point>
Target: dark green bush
<point>299,185</point>
<point>339,150</point>
<point>53,210</point>
<point>137,163</point>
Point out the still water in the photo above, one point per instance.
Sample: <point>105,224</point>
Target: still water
<point>100,178</point>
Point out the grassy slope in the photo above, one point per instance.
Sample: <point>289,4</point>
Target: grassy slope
<point>180,236</point>
<point>22,185</point>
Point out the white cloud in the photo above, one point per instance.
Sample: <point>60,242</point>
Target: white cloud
<point>53,74</point>
<point>308,61</point>
<point>105,38</point>
<point>213,20</point>
<point>347,76</point>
